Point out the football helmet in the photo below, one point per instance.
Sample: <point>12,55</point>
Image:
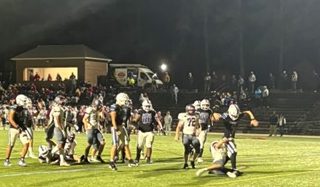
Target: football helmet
<point>60,100</point>
<point>233,111</point>
<point>190,109</point>
<point>122,98</point>
<point>197,104</point>
<point>205,104</point>
<point>22,100</point>
<point>146,105</point>
<point>96,103</point>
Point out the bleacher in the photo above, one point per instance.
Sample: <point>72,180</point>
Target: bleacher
<point>300,110</point>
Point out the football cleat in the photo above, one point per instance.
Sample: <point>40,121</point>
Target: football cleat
<point>112,166</point>
<point>201,171</point>
<point>200,160</point>
<point>149,161</point>
<point>64,163</point>
<point>84,160</point>
<point>100,159</point>
<point>185,166</point>
<point>7,163</point>
<point>231,174</point>
<point>132,163</point>
<point>192,165</point>
<point>22,163</point>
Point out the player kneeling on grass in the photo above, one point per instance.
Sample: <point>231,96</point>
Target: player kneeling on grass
<point>146,122</point>
<point>189,122</point>
<point>45,153</point>
<point>221,152</point>
<point>95,137</point>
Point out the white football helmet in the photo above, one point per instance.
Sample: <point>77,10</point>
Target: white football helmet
<point>205,104</point>
<point>233,111</point>
<point>22,100</point>
<point>59,100</point>
<point>122,98</point>
<point>197,104</point>
<point>146,105</point>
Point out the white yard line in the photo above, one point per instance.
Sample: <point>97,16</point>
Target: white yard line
<point>100,167</point>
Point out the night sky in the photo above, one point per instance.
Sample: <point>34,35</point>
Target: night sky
<point>191,35</point>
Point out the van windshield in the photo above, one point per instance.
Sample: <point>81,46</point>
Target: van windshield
<point>151,74</point>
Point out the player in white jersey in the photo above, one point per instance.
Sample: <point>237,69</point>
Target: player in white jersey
<point>17,119</point>
<point>220,152</point>
<point>59,127</point>
<point>91,124</point>
<point>30,126</point>
<point>189,122</point>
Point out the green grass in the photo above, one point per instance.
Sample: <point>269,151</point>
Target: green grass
<point>286,161</point>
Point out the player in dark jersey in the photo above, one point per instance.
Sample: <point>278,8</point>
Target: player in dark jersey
<point>17,119</point>
<point>230,120</point>
<point>205,119</point>
<point>146,118</point>
<point>118,130</point>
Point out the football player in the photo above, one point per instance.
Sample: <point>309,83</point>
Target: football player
<point>220,153</point>
<point>146,118</point>
<point>94,136</point>
<point>230,120</point>
<point>59,127</point>
<point>189,122</point>
<point>205,119</point>
<point>17,119</point>
<point>118,130</point>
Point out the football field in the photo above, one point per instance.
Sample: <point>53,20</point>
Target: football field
<point>276,161</point>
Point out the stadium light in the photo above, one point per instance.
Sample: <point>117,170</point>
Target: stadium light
<point>163,67</point>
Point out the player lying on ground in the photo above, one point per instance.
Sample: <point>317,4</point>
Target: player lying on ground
<point>221,152</point>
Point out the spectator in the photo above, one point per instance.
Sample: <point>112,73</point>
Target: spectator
<point>283,80</point>
<point>214,80</point>
<point>31,77</point>
<point>72,76</point>
<point>273,123</point>
<point>175,91</point>
<point>282,123</point>
<point>252,79</point>
<point>58,77</point>
<point>207,82</point>
<point>265,95</point>
<point>272,81</point>
<point>166,80</point>
<point>294,80</point>
<point>143,96</point>
<point>167,122</point>
<point>49,77</point>
<point>190,81</point>
<point>36,77</point>
<point>240,83</point>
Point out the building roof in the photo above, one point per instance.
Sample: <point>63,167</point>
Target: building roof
<point>61,52</point>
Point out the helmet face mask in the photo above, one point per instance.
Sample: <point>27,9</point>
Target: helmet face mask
<point>190,109</point>
<point>22,100</point>
<point>146,105</point>
<point>205,104</point>
<point>234,112</point>
<point>197,104</point>
<point>60,100</point>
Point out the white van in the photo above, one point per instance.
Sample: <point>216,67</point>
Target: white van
<point>141,74</point>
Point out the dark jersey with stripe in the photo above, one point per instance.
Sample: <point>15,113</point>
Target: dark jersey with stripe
<point>20,116</point>
<point>147,120</point>
<point>230,125</point>
<point>204,118</point>
<point>120,113</point>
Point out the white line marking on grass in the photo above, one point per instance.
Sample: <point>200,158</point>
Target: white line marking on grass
<point>265,177</point>
<point>100,167</point>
